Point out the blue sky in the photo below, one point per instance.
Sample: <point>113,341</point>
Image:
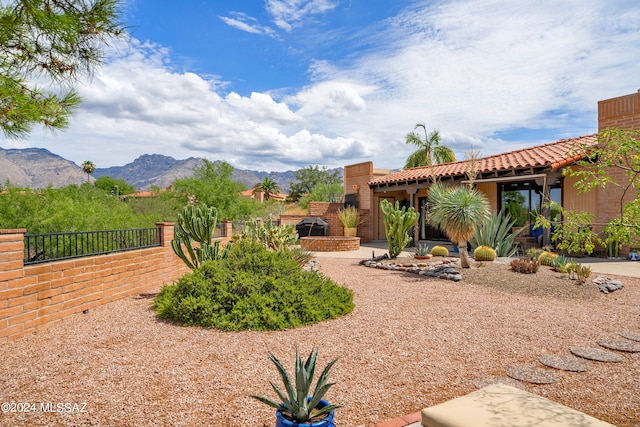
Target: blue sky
<point>281,84</point>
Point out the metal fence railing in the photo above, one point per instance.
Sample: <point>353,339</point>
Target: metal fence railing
<point>39,248</point>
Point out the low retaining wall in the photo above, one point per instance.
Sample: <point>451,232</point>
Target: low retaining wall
<point>330,243</point>
<point>34,296</point>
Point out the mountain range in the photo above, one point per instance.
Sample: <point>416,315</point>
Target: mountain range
<point>39,168</point>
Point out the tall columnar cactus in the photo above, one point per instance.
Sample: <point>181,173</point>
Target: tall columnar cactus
<point>196,226</point>
<point>397,223</point>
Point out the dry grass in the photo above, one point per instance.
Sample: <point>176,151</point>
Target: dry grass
<point>410,343</point>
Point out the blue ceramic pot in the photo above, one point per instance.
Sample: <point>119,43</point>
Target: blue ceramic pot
<point>281,421</point>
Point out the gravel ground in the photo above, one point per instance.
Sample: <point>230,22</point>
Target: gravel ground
<point>410,343</point>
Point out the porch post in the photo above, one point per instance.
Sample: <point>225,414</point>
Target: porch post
<point>411,191</point>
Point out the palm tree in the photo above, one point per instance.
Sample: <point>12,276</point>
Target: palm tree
<point>88,167</point>
<point>457,211</point>
<point>268,187</point>
<point>429,151</point>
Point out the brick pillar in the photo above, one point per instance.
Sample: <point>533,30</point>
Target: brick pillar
<point>227,228</point>
<point>11,254</point>
<point>166,233</point>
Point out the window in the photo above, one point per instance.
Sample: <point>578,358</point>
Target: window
<point>522,199</point>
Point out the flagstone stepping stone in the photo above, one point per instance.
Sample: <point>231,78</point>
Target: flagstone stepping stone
<point>635,336</point>
<point>486,381</point>
<point>620,345</point>
<point>596,354</point>
<point>564,362</point>
<point>531,374</point>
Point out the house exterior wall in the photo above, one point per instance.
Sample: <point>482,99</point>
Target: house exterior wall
<point>622,112</point>
<point>490,190</point>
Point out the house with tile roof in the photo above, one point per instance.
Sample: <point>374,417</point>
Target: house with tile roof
<point>521,180</point>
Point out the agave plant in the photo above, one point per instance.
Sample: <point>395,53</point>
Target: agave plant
<point>297,403</point>
<point>496,233</point>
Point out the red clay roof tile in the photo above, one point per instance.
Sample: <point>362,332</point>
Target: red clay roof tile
<point>553,156</point>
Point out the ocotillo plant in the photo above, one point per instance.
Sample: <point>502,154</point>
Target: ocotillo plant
<point>397,223</point>
<point>196,225</point>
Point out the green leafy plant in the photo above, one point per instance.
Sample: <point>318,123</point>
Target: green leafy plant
<point>194,232</point>
<point>296,400</point>
<point>574,234</point>
<point>484,253</point>
<point>439,251</point>
<point>525,266</point>
<point>397,223</point>
<point>496,233</point>
<point>349,217</point>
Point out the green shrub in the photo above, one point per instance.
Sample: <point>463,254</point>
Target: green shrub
<point>272,237</point>
<point>252,288</point>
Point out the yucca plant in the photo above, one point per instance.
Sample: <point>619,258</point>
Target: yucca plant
<point>458,211</point>
<point>297,403</point>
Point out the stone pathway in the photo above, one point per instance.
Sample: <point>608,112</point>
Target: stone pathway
<point>629,343</point>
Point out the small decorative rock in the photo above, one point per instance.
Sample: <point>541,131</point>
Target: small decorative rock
<point>564,362</point>
<point>442,269</point>
<point>531,374</point>
<point>596,354</point>
<point>313,265</point>
<point>620,345</point>
<point>607,285</point>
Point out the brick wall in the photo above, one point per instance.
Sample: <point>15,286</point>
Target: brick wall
<point>329,213</point>
<point>37,295</point>
<point>622,112</point>
<point>330,243</point>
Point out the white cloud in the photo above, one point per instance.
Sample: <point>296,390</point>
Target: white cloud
<point>287,13</point>
<point>244,22</point>
<point>332,99</point>
<point>474,69</point>
<point>260,106</point>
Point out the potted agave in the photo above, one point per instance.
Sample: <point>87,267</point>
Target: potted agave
<point>297,407</point>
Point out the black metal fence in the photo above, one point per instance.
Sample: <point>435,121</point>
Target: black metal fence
<point>39,248</point>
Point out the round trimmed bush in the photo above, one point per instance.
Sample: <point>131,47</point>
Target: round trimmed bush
<point>252,288</point>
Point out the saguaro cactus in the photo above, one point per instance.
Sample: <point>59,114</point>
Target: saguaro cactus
<point>397,223</point>
<point>196,225</point>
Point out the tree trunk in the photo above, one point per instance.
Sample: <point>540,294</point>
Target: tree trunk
<point>464,255</point>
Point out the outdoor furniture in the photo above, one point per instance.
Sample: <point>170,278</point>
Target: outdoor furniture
<point>503,405</point>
